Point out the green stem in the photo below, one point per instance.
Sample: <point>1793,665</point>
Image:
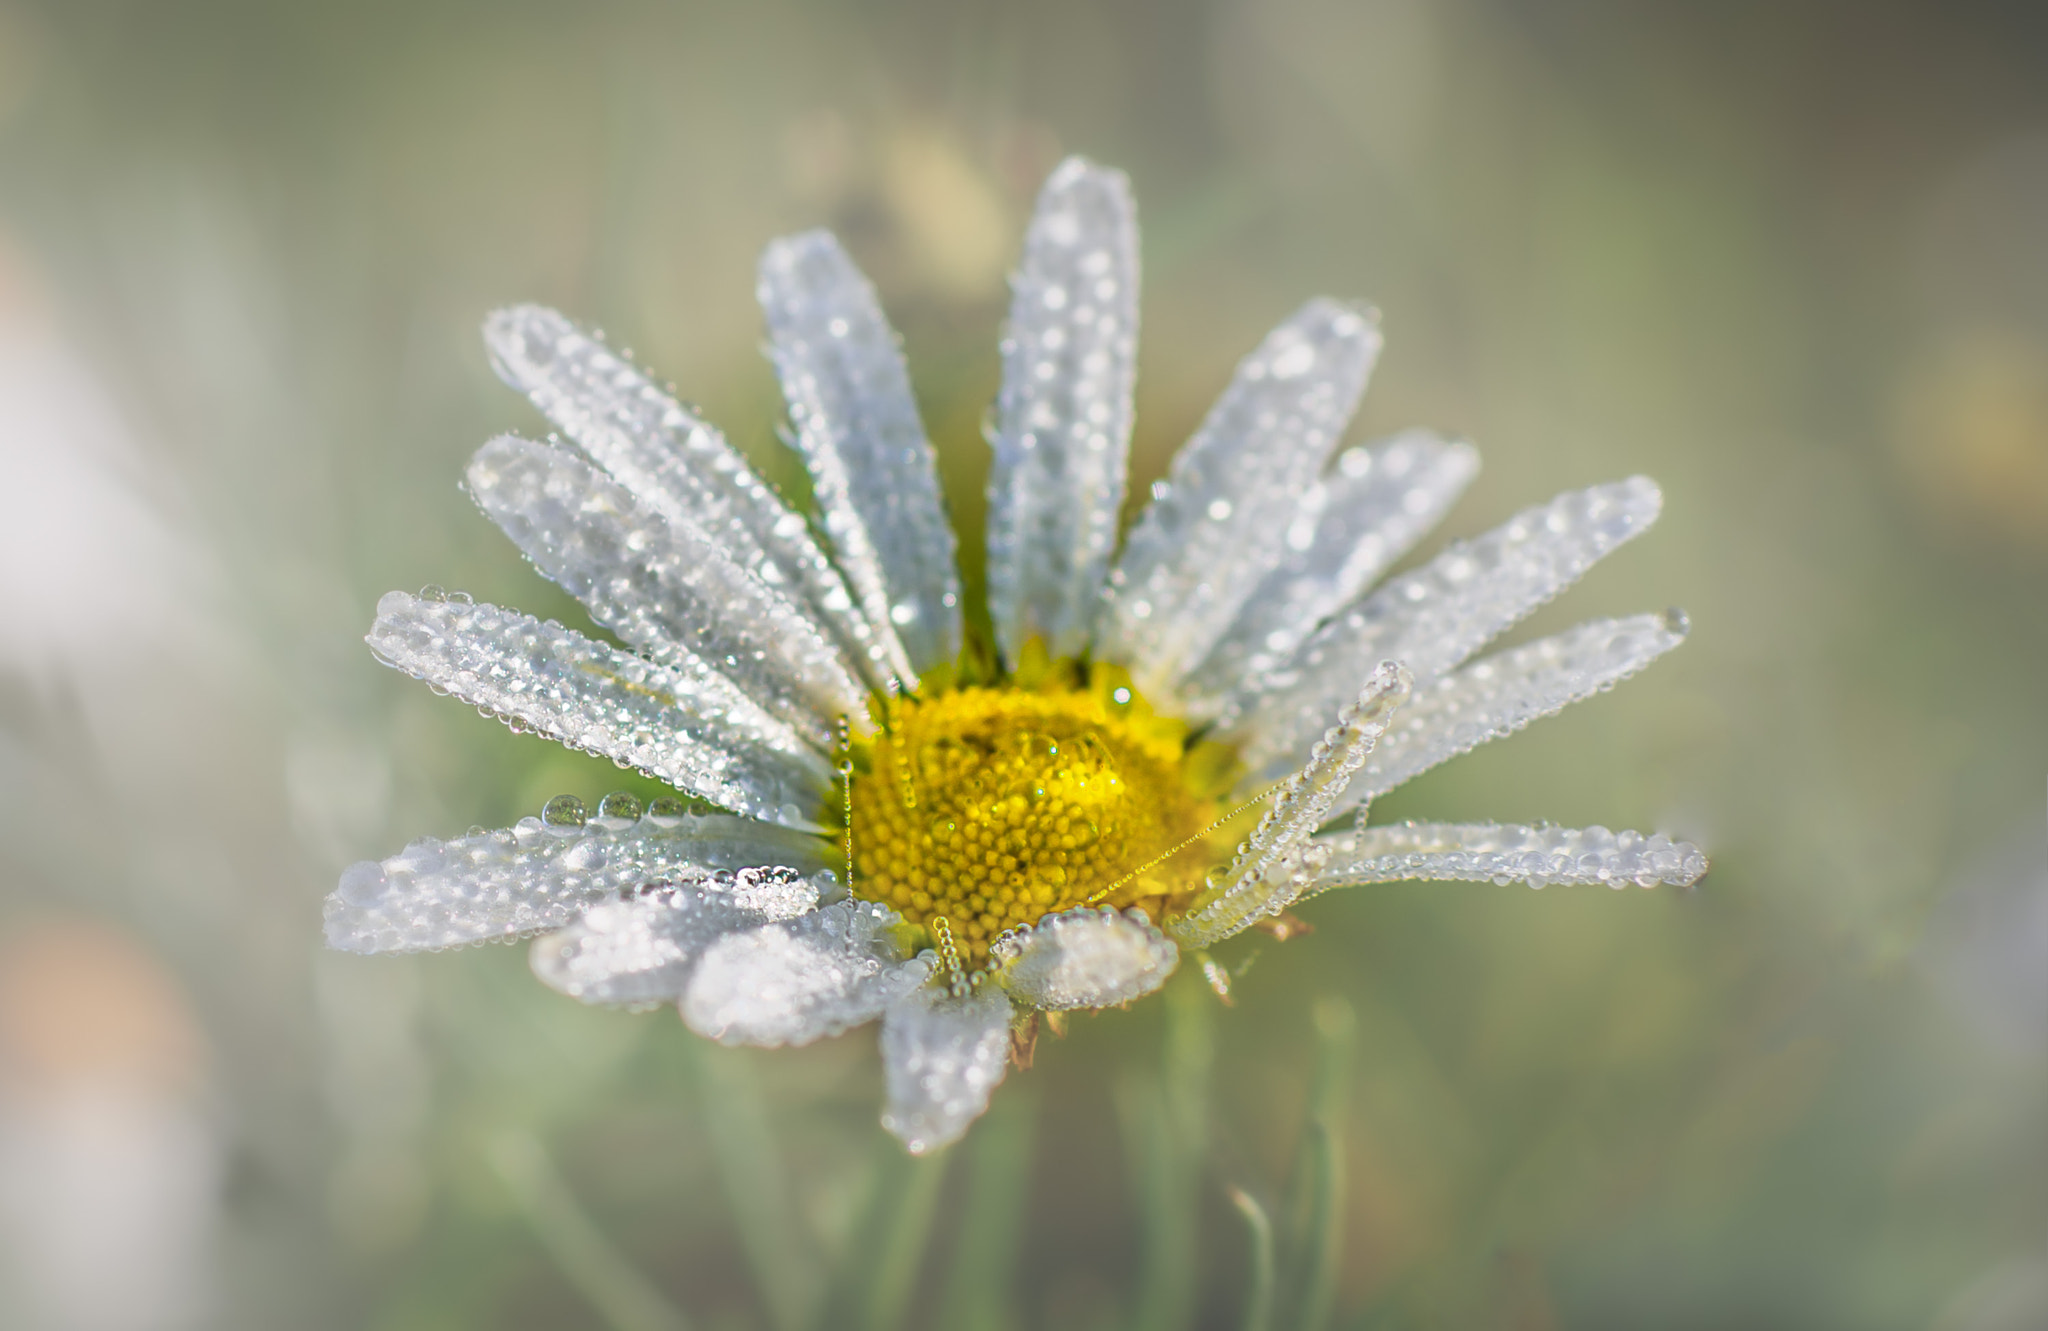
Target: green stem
<point>906,1194</point>
<point>625,1298</point>
<point>1167,1128</point>
<point>756,1185</point>
<point>1258,1297</point>
<point>1322,1166</point>
<point>998,1187</point>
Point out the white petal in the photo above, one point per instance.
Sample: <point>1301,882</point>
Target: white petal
<point>642,947</point>
<point>1370,510</point>
<point>1433,618</point>
<point>802,980</point>
<point>1219,523</point>
<point>872,469</point>
<point>942,1056</point>
<point>1063,418</point>
<point>524,879</point>
<point>1500,694</point>
<point>662,586</point>
<point>1089,958</point>
<point>1506,853</point>
<point>1280,858</point>
<point>688,727</point>
<point>675,462</point>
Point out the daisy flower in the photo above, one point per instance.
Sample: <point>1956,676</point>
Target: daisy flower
<point>879,815</point>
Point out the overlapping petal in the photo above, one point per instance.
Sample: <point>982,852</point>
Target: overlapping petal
<point>802,980</point>
<point>1279,860</point>
<point>1371,509</point>
<point>664,587</point>
<point>642,946</point>
<point>675,462</point>
<point>683,724</point>
<point>525,879</point>
<point>1500,694</point>
<point>1220,521</point>
<point>1435,617</point>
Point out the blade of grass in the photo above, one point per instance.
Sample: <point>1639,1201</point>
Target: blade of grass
<point>895,1275</point>
<point>625,1298</point>
<point>881,1272</point>
<point>1258,1297</point>
<point>1321,1169</point>
<point>998,1187</point>
<point>756,1184</point>
<point>1168,1133</point>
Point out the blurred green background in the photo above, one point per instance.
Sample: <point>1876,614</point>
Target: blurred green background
<point>1791,260</point>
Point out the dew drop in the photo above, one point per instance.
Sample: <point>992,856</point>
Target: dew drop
<point>620,804</point>
<point>433,591</point>
<point>666,806</point>
<point>564,811</point>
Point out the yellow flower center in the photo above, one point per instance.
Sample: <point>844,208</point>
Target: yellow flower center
<point>986,808</point>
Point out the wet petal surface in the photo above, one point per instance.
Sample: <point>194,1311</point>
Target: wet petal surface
<point>684,725</point>
<point>942,1056</point>
<point>1089,959</point>
<point>1507,853</point>
<point>872,469</point>
<point>1063,418</point>
<point>525,879</point>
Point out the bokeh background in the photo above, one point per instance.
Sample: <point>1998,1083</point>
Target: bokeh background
<point>1790,259</point>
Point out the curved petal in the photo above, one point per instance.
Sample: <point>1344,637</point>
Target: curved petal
<point>675,462</point>
<point>662,586</point>
<point>1219,523</point>
<point>1371,509</point>
<point>799,981</point>
<point>1502,693</point>
<point>1089,958</point>
<point>524,879</point>
<point>872,469</point>
<point>1063,418</point>
<point>1435,617</point>
<point>1506,853</point>
<point>1279,859</point>
<point>942,1055</point>
<point>643,947</point>
<point>686,725</point>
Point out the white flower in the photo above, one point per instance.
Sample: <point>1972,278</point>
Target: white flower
<point>926,831</point>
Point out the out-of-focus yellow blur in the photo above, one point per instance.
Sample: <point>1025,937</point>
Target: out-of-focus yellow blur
<point>1790,261</point>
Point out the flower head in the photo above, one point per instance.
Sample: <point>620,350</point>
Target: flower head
<point>947,835</point>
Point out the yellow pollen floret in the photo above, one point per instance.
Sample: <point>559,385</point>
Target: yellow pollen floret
<point>991,807</point>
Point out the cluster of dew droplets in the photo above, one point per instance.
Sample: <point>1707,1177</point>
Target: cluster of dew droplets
<point>621,808</point>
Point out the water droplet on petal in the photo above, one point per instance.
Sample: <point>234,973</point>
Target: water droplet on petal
<point>565,811</point>
<point>620,804</point>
